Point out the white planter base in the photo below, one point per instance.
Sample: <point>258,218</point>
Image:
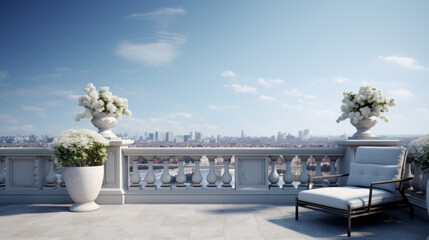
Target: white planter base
<point>84,207</point>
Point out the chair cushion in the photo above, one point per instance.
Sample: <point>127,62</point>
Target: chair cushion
<point>364,174</point>
<point>342,197</point>
<point>374,164</point>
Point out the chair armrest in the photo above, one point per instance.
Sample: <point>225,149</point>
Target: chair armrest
<point>324,177</point>
<point>384,182</point>
<point>391,181</point>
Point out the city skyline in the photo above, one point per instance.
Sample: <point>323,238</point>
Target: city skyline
<point>214,67</point>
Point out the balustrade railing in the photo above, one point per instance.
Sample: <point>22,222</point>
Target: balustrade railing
<point>204,171</point>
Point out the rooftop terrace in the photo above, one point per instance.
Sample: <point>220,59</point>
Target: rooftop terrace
<point>200,221</point>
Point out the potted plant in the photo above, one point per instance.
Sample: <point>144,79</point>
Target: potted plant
<point>82,153</point>
<point>419,148</point>
<point>104,109</point>
<point>363,109</point>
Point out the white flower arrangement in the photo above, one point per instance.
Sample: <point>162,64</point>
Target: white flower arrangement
<point>368,102</point>
<point>102,103</point>
<point>80,148</point>
<point>419,148</point>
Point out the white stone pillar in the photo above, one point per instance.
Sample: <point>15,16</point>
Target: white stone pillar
<point>197,178</point>
<point>135,178</point>
<point>211,177</point>
<point>115,174</point>
<point>165,177</point>
<point>317,183</point>
<point>288,176</point>
<point>150,177</point>
<point>303,177</point>
<point>50,178</point>
<point>180,177</point>
<point>274,176</point>
<point>226,176</point>
<point>333,171</point>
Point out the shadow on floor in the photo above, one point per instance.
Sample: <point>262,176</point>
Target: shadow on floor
<point>18,209</point>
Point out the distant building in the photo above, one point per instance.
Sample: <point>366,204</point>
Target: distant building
<point>169,137</point>
<point>198,136</point>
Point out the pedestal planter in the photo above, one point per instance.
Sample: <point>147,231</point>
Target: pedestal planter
<point>363,126</point>
<point>83,185</point>
<point>105,124</point>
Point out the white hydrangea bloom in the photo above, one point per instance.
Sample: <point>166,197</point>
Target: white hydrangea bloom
<point>366,103</point>
<point>102,103</point>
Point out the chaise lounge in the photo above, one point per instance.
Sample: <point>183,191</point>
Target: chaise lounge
<point>374,185</point>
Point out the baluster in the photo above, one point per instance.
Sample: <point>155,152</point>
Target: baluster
<point>150,177</point>
<point>165,177</point>
<point>423,182</point>
<point>211,177</point>
<point>135,177</point>
<point>288,176</point>
<point>317,183</point>
<point>197,178</point>
<point>2,174</point>
<point>303,177</point>
<point>226,176</point>
<point>274,176</point>
<point>332,171</point>
<point>50,178</point>
<point>181,177</point>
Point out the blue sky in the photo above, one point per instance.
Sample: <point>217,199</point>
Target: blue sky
<point>213,66</point>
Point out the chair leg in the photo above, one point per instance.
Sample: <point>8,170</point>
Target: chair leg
<point>296,209</point>
<point>349,223</point>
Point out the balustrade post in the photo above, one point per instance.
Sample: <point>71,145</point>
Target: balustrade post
<point>274,176</point>
<point>415,183</point>
<point>135,177</point>
<point>50,178</point>
<point>317,183</point>
<point>332,171</point>
<point>181,177</point>
<point>197,178</point>
<point>303,177</point>
<point>226,176</point>
<point>288,176</point>
<point>407,174</point>
<point>165,177</point>
<point>211,177</point>
<point>150,177</point>
<point>2,174</point>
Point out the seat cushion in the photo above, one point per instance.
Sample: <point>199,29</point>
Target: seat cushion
<point>342,197</point>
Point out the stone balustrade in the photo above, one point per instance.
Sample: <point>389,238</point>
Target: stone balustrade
<point>185,175</point>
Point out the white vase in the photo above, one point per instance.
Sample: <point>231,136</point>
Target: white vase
<point>363,126</point>
<point>105,124</point>
<point>83,185</point>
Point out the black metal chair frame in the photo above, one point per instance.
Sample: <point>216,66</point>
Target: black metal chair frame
<point>365,211</point>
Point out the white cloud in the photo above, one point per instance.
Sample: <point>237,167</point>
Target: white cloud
<point>242,88</point>
<point>266,98</point>
<point>269,82</point>
<point>161,52</point>
<point>297,93</point>
<point>63,69</point>
<point>39,111</point>
<point>5,118</point>
<point>163,17</point>
<point>402,61</point>
<point>55,75</point>
<point>180,115</point>
<point>287,106</point>
<point>224,107</point>
<point>342,79</point>
<point>228,74</point>
<point>4,75</point>
<point>73,96</point>
<point>158,13</point>
<point>402,93</point>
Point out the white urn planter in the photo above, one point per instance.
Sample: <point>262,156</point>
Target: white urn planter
<point>105,124</point>
<point>83,185</point>
<point>363,126</point>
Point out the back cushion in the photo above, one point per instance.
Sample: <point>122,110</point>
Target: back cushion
<point>374,164</point>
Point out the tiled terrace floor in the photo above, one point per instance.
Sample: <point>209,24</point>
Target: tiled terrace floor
<point>215,221</point>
